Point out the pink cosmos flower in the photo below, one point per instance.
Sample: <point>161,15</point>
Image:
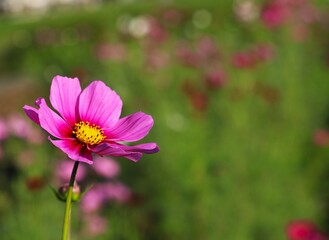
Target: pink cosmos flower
<point>88,121</point>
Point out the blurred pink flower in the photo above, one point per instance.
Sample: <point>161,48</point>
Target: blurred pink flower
<point>93,199</point>
<point>308,13</point>
<point>157,33</point>
<point>94,225</point>
<point>250,58</point>
<point>187,56</point>
<point>215,79</point>
<point>19,127</point>
<point>303,230</point>
<point>299,12</point>
<point>263,52</point>
<point>106,167</point>
<point>116,191</point>
<point>321,137</point>
<point>88,121</point>
<point>172,17</point>
<point>100,193</point>
<point>3,130</point>
<point>203,53</point>
<point>156,59</point>
<point>206,49</point>
<point>244,60</point>
<point>198,99</point>
<point>26,157</point>
<point>274,14</point>
<point>64,171</point>
<point>107,51</point>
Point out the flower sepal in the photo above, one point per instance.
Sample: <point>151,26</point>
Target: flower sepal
<point>58,195</point>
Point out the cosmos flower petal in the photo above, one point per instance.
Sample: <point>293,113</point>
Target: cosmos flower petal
<point>64,93</point>
<point>115,150</point>
<point>73,149</point>
<point>32,113</point>
<point>70,146</point>
<point>147,148</point>
<point>52,122</point>
<point>130,128</point>
<point>85,156</point>
<point>99,104</point>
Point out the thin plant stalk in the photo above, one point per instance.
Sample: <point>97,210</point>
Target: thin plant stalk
<point>67,215</point>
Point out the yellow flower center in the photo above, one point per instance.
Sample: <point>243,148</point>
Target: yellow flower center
<point>87,133</point>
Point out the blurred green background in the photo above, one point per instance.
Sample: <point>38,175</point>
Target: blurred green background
<point>239,93</point>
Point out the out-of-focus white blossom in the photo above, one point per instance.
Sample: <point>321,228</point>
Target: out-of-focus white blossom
<point>16,6</point>
<point>246,10</point>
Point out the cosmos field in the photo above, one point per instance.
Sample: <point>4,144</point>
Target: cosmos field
<point>239,94</point>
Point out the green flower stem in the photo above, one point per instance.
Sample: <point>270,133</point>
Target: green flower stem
<point>67,216</point>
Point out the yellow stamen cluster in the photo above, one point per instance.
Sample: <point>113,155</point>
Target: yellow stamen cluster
<point>87,133</point>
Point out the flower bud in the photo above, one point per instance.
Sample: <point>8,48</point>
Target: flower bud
<point>63,192</point>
